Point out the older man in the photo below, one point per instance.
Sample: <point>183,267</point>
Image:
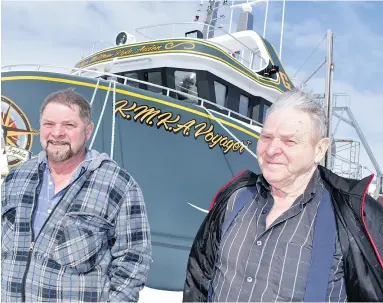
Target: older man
<point>74,224</point>
<point>297,232</point>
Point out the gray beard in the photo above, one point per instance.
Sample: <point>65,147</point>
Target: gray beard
<point>57,156</point>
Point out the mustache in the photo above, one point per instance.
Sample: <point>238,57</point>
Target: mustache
<point>57,142</point>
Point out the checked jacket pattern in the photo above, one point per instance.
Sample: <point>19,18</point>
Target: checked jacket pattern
<point>94,247</point>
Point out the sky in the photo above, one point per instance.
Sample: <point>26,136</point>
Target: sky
<point>60,32</point>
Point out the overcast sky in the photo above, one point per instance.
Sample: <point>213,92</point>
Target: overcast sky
<point>58,32</point>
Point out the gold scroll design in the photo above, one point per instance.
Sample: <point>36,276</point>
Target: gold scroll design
<point>170,122</point>
<point>187,45</point>
<point>285,80</point>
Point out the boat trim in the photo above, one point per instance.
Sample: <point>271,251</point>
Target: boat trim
<point>277,84</point>
<point>209,44</point>
<point>167,89</point>
<point>186,23</point>
<point>137,95</point>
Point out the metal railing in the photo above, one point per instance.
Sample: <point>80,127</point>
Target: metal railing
<point>219,28</point>
<point>253,52</point>
<point>100,42</point>
<point>192,99</point>
<point>243,60</point>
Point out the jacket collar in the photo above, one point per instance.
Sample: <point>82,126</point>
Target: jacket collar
<point>350,186</point>
<point>345,185</point>
<point>93,159</point>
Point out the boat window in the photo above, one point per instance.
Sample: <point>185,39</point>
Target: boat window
<point>220,93</point>
<point>130,82</point>
<point>186,82</point>
<point>155,78</point>
<point>255,112</point>
<point>265,108</point>
<point>243,105</point>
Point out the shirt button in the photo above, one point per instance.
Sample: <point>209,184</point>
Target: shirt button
<point>264,211</point>
<point>249,279</point>
<point>49,211</point>
<point>259,243</point>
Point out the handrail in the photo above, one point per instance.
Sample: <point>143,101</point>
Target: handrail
<point>231,134</point>
<point>231,113</point>
<point>79,70</point>
<point>199,23</point>
<point>230,52</point>
<point>224,48</point>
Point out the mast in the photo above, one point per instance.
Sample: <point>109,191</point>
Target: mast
<point>211,19</point>
<point>328,94</point>
<point>265,23</point>
<point>328,102</point>
<point>282,26</point>
<point>231,16</point>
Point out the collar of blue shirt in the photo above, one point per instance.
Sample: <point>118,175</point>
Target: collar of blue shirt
<point>43,159</point>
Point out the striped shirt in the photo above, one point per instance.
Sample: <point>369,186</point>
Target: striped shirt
<point>258,264</point>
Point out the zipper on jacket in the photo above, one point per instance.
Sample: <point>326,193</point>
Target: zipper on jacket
<point>30,250</point>
<point>33,240</point>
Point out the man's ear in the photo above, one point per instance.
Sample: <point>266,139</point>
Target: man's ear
<point>89,130</point>
<point>321,149</point>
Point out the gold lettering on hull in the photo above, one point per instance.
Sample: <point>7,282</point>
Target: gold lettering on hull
<point>170,122</point>
<point>119,53</point>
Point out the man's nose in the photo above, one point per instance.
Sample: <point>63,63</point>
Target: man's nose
<point>274,147</point>
<point>57,131</point>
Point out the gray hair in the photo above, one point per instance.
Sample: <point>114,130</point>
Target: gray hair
<point>305,102</point>
<point>69,98</point>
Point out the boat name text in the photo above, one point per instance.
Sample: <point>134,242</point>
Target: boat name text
<point>170,123</point>
<point>123,52</point>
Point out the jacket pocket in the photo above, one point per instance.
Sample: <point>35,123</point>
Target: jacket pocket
<point>8,217</point>
<point>81,241</point>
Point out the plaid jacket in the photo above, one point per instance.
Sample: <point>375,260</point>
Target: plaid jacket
<point>94,247</point>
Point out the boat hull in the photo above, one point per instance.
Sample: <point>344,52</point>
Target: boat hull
<point>179,154</point>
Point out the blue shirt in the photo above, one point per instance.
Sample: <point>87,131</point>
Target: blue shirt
<point>48,199</point>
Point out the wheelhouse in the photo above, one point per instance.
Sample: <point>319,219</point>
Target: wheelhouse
<point>198,83</point>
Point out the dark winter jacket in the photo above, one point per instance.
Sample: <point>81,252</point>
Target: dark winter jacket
<point>359,220</point>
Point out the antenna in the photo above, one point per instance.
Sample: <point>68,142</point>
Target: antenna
<point>283,21</point>
<point>196,18</point>
<point>211,16</point>
<point>211,19</point>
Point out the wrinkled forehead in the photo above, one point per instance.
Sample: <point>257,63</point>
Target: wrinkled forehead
<point>289,121</point>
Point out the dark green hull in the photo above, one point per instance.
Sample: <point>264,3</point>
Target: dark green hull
<point>176,153</point>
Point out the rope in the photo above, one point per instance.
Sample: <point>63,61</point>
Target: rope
<point>296,73</point>
<point>101,115</point>
<point>113,120</point>
<point>94,93</point>
<point>230,133</point>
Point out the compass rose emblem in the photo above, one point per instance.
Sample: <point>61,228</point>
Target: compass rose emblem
<point>16,131</point>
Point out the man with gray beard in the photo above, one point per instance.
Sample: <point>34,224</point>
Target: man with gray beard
<point>74,223</point>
